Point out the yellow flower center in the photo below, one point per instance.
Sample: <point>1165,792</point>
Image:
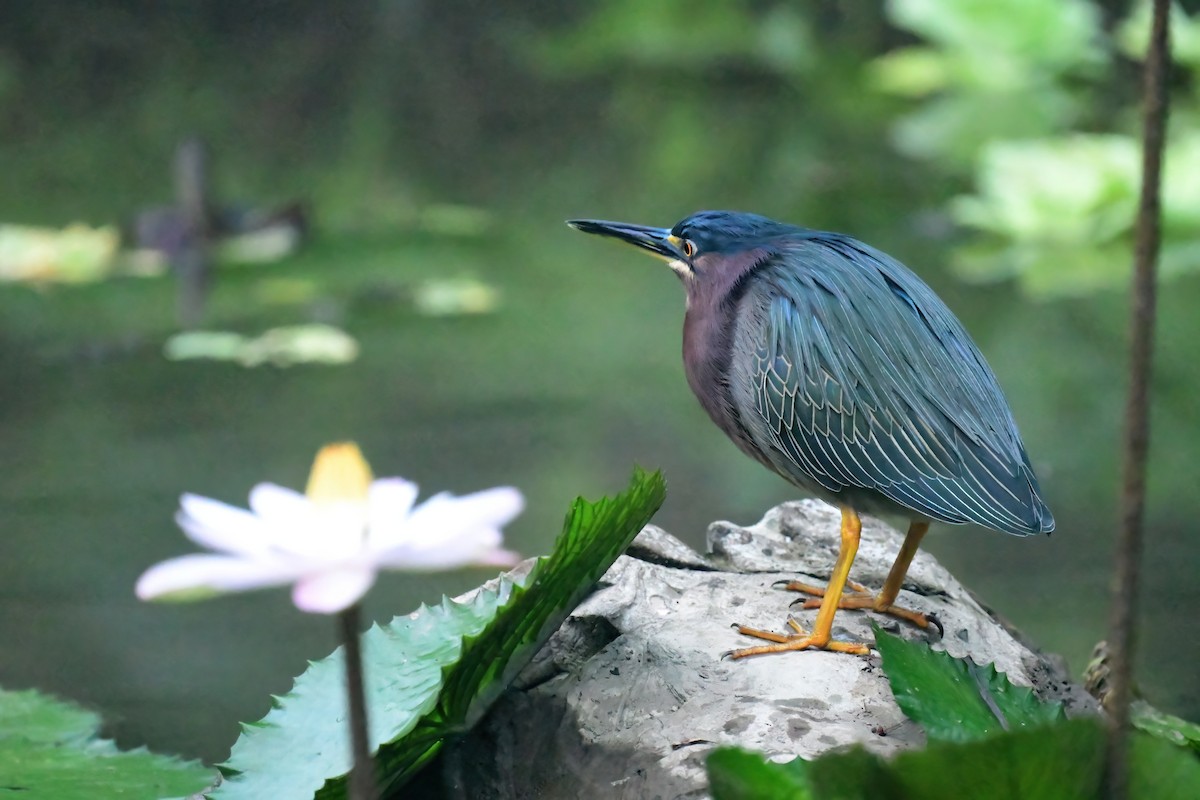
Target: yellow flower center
<point>339,474</point>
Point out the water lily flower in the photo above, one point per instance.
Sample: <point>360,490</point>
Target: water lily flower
<point>332,540</point>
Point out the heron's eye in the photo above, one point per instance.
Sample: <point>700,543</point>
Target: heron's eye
<point>689,248</point>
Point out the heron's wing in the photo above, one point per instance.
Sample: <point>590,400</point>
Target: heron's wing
<point>864,378</point>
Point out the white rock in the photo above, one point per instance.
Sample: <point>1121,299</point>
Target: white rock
<point>632,693</point>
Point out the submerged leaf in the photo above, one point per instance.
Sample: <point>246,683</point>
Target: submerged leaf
<point>955,699</point>
<point>48,748</point>
<point>75,254</point>
<point>434,672</point>
<point>281,347</point>
<point>444,297</point>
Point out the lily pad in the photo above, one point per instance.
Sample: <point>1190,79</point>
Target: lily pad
<point>50,749</point>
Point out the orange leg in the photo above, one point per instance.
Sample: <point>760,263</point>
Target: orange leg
<point>820,636</point>
<point>882,602</point>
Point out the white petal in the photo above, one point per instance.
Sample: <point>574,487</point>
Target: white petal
<point>497,558</point>
<point>225,528</point>
<point>201,574</point>
<point>442,518</point>
<point>392,496</point>
<point>332,532</point>
<point>278,504</point>
<point>333,591</point>
<point>480,547</point>
<point>389,502</point>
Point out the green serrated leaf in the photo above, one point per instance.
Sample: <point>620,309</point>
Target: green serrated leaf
<point>956,699</point>
<point>304,739</point>
<point>594,534</point>
<point>432,673</point>
<point>49,749</point>
<point>1063,761</point>
<point>735,774</point>
<point>853,774</point>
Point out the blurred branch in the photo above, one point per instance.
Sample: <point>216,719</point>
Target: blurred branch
<point>1137,427</point>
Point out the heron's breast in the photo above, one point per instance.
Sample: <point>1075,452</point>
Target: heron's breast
<point>712,329</point>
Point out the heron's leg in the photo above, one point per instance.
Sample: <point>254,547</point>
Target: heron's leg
<point>820,636</point>
<point>882,602</point>
<point>895,579</point>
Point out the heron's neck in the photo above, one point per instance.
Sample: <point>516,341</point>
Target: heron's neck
<point>708,329</point>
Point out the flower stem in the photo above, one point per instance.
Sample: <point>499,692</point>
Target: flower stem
<point>362,785</point>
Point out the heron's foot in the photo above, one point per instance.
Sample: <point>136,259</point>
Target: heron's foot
<point>860,597</point>
<point>799,639</point>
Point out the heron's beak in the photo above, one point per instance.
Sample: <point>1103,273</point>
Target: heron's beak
<point>658,241</point>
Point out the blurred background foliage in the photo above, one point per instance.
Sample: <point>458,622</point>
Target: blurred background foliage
<point>989,145</point>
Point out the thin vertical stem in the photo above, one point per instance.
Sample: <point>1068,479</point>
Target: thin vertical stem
<point>1137,426</point>
<point>362,785</point>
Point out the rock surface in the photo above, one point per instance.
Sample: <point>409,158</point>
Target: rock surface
<point>631,694</point>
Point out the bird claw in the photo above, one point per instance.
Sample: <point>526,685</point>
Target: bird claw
<point>862,599</point>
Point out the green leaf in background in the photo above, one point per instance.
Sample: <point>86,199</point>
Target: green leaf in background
<point>991,70</point>
<point>955,699</point>
<point>1063,761</point>
<point>1074,189</point>
<point>1057,213</point>
<point>1133,35</point>
<point>1167,727</point>
<point>1005,44</point>
<point>434,672</point>
<point>954,126</point>
<point>49,749</point>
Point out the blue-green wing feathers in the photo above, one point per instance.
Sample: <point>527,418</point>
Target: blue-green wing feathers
<point>864,380</point>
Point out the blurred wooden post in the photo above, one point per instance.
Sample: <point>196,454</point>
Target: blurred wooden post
<point>1137,428</point>
<point>192,261</point>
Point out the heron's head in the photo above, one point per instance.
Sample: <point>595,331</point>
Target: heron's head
<point>698,248</point>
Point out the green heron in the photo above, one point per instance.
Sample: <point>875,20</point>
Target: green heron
<point>834,365</point>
